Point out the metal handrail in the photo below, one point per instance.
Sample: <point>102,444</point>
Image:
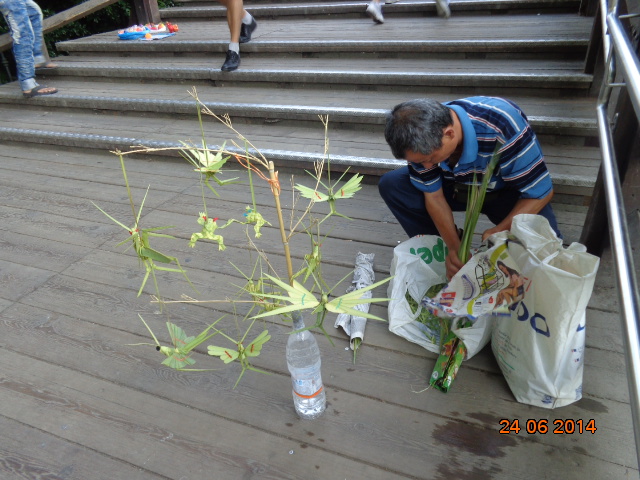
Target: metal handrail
<point>619,53</point>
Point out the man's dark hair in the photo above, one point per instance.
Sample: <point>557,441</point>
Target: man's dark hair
<point>416,125</point>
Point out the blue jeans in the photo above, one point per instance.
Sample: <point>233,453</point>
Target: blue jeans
<point>406,203</point>
<point>24,18</point>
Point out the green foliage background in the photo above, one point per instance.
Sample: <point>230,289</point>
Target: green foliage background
<point>110,18</point>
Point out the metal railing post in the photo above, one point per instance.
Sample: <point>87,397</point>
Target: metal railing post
<point>619,49</point>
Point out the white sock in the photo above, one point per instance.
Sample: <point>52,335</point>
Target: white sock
<point>247,18</point>
<point>234,47</point>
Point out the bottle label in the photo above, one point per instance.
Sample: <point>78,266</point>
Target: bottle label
<point>309,386</point>
<point>309,396</point>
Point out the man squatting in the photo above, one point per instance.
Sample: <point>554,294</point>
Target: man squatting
<point>445,145</point>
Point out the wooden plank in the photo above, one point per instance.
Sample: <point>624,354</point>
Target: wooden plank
<point>29,452</point>
<point>56,256</point>
<point>299,136</point>
<point>212,285</point>
<point>535,107</point>
<point>91,180</point>
<point>606,296</point>
<point>399,371</point>
<point>367,205</point>
<point>52,256</point>
<point>72,231</point>
<point>353,63</point>
<point>356,232</point>
<point>17,280</point>
<point>72,164</point>
<point>165,437</point>
<point>471,29</point>
<point>213,282</point>
<point>5,304</point>
<point>86,315</point>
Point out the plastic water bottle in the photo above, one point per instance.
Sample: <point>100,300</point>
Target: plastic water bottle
<point>303,360</point>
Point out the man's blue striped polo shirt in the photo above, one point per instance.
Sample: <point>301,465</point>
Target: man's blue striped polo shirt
<point>485,121</point>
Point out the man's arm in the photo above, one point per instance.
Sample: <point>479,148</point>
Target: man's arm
<point>442,216</point>
<point>524,205</point>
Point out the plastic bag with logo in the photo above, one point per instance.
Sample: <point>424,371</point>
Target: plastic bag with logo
<point>417,266</point>
<point>483,289</point>
<point>540,346</point>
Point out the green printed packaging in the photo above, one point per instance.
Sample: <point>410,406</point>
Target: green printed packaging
<point>451,356</point>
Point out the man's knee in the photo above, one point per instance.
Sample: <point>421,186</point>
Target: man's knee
<point>384,183</point>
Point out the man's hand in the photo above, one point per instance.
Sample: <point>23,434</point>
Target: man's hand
<point>452,263</point>
<point>490,231</point>
<point>442,217</point>
<point>523,205</point>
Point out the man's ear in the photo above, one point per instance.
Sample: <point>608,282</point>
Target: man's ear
<point>449,132</point>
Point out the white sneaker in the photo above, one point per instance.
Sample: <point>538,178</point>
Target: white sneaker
<point>442,6</point>
<point>374,10</point>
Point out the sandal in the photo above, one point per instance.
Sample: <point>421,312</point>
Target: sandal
<point>40,90</point>
<point>47,65</point>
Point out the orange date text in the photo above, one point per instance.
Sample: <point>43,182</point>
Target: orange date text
<point>558,426</point>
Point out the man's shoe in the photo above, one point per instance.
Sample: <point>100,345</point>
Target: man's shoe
<point>442,6</point>
<point>231,62</point>
<point>247,30</point>
<point>374,10</point>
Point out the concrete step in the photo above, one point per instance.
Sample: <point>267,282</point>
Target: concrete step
<point>290,145</point>
<point>355,9</point>
<point>491,77</point>
<point>323,58</point>
<point>274,104</point>
<point>406,37</point>
<point>416,49</point>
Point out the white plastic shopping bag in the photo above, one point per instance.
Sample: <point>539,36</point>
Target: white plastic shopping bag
<point>476,336</point>
<point>481,290</point>
<point>417,265</point>
<point>540,346</point>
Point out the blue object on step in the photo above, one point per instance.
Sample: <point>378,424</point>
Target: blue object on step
<point>133,35</point>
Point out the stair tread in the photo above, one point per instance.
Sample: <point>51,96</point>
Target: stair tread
<point>498,68</point>
<point>315,62</point>
<point>573,165</point>
<point>308,8</point>
<point>570,27</point>
<point>538,109</point>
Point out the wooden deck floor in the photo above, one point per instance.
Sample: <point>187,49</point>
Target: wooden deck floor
<point>78,402</point>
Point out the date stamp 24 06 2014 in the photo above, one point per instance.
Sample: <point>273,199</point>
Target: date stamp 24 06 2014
<point>542,426</point>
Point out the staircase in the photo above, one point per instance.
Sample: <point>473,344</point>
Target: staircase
<point>327,58</point>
